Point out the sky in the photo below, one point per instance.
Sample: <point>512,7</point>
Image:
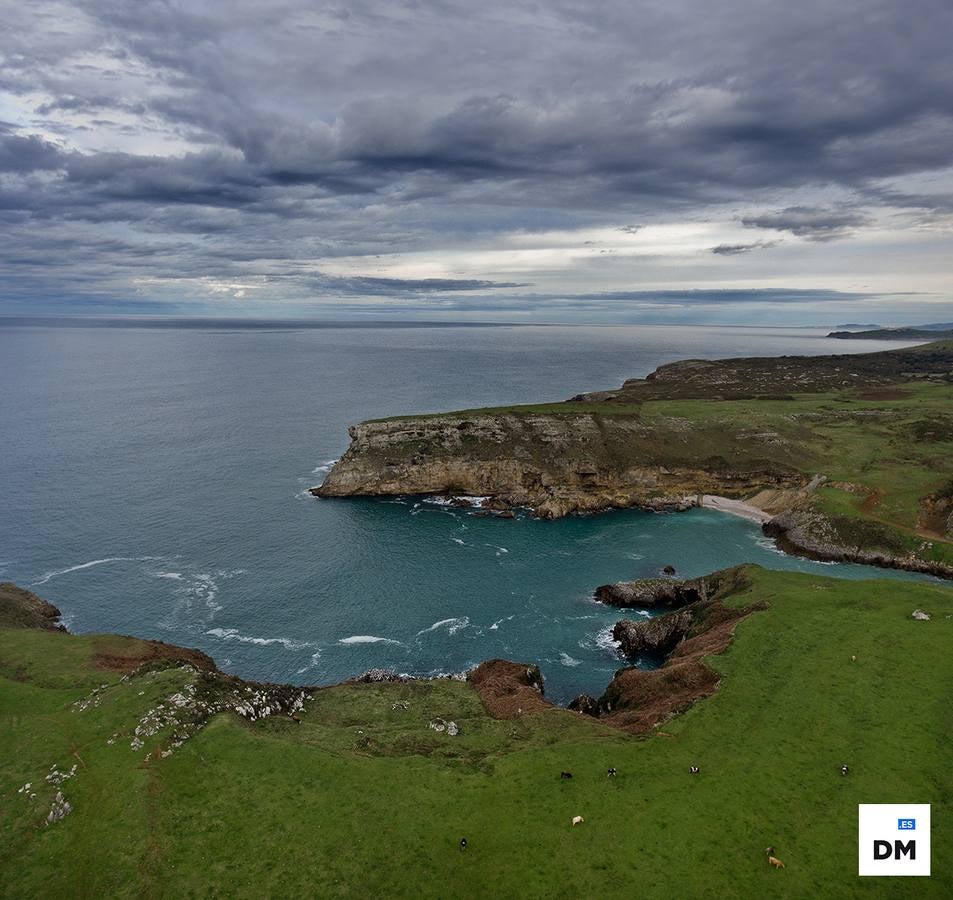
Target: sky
<point>664,161</point>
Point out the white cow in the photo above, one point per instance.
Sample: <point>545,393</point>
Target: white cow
<point>577,820</point>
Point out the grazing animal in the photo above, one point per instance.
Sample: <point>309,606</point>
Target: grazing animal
<point>853,659</point>
<point>844,770</point>
<point>463,843</point>
<point>577,820</point>
<point>612,773</point>
<point>774,861</point>
<point>565,774</point>
<point>693,769</point>
<point>769,851</point>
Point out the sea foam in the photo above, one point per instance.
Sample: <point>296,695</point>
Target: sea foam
<point>232,634</point>
<point>452,625</point>
<point>93,562</point>
<point>366,639</point>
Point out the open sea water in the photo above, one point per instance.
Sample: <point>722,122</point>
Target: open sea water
<point>154,480</point>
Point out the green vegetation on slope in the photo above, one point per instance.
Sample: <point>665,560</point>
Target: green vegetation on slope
<point>362,798</point>
<point>885,450</point>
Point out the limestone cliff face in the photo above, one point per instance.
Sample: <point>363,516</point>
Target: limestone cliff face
<point>552,463</point>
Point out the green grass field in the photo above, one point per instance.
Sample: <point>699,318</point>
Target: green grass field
<point>364,799</point>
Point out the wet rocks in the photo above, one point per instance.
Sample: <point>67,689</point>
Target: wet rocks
<point>653,637</point>
<point>650,593</point>
<point>585,704</point>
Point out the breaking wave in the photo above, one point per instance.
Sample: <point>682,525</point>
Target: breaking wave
<point>452,625</point>
<point>605,641</point>
<point>232,634</point>
<point>366,639</point>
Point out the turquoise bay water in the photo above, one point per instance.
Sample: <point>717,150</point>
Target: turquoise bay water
<point>155,483</point>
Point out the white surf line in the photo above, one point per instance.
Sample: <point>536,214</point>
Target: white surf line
<point>453,625</point>
<point>91,563</point>
<point>734,508</point>
<point>366,639</point>
<point>232,634</point>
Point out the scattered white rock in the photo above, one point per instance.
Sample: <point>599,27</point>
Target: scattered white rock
<point>55,776</point>
<point>442,725</point>
<point>60,809</point>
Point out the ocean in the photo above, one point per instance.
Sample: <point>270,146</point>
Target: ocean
<point>155,475</point>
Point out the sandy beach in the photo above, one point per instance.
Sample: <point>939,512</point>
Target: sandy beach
<point>735,507</point>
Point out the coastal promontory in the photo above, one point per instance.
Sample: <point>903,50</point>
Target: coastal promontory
<point>848,456</point>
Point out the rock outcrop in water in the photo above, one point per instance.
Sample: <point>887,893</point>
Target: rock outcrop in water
<point>651,593</point>
<point>640,699</point>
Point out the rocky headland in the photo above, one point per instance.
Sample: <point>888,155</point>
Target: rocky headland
<point>757,437</point>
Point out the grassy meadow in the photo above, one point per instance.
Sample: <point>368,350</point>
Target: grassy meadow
<point>362,798</point>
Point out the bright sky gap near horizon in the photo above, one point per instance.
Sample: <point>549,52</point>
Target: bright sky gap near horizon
<point>669,162</point>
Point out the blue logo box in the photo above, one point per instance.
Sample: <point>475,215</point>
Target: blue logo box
<point>907,824</point>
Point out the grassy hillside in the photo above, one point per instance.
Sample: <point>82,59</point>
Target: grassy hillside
<point>883,451</point>
<point>362,798</point>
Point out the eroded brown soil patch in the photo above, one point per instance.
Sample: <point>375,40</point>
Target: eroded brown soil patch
<point>133,653</point>
<point>637,700</point>
<point>508,689</point>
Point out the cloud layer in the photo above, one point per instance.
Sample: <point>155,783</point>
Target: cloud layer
<point>352,156</point>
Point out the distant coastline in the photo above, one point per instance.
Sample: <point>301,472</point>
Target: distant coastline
<point>895,334</point>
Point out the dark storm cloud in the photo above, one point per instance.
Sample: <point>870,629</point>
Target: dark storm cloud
<point>812,223</point>
<point>247,140</point>
<point>737,249</point>
<point>25,154</point>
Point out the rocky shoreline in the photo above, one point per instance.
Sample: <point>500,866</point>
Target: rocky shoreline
<point>811,534</point>
<point>635,700</point>
<point>605,451</point>
<point>699,624</point>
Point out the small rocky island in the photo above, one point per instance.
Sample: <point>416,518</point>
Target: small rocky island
<point>825,447</point>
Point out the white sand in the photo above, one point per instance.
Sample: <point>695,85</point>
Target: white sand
<point>735,508</point>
